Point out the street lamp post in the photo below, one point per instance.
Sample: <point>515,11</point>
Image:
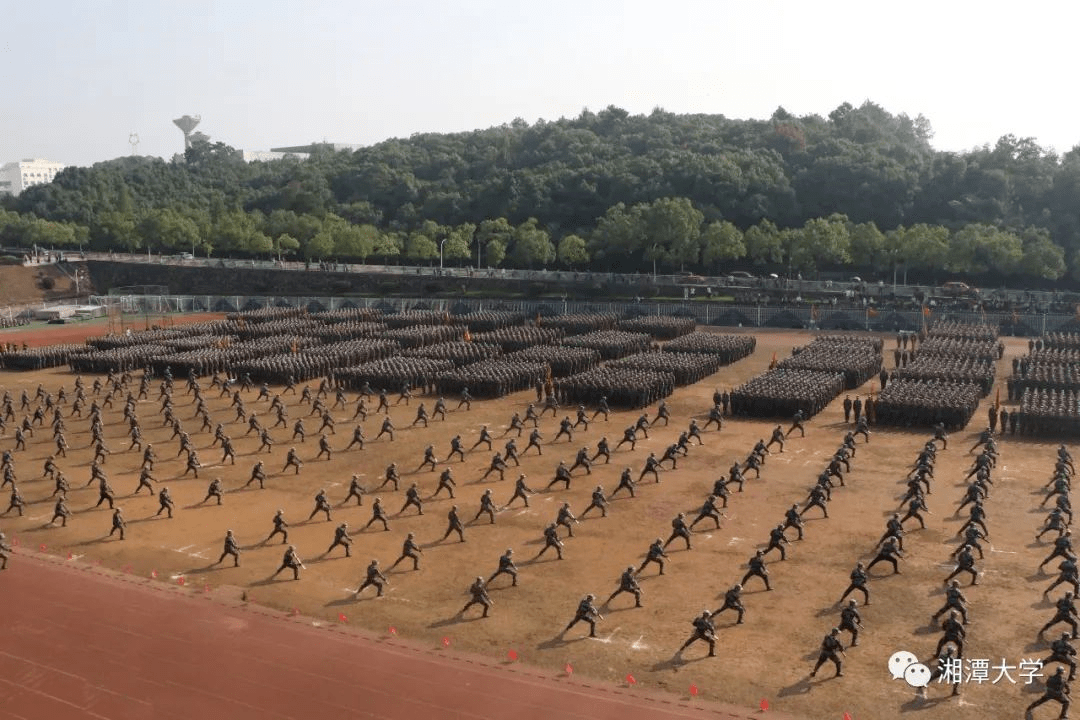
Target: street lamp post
<point>441,244</point>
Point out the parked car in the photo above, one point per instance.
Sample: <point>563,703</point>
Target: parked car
<point>740,275</point>
<point>958,289</point>
<point>689,277</point>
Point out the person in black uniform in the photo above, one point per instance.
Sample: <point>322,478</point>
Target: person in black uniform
<point>708,510</point>
<point>757,568</point>
<point>889,552</point>
<point>386,429</point>
<point>391,476</point>
<point>830,646</point>
<point>521,490</point>
<point>954,601</point>
<point>478,596</point>
<point>410,550</point>
<point>626,481</point>
<point>456,448</point>
<point>292,459</point>
<point>213,491</point>
<point>487,506</point>
<point>796,424</point>
<point>914,506</point>
<point>587,613</point>
<point>105,492</point>
<point>506,567</point>
<point>715,416</point>
<point>818,498</point>
<point>1065,611</point>
<point>551,540</point>
<point>847,409</point>
<point>562,475</point>
<point>118,523</point>
<point>952,632</point>
<point>322,504</point>
<point>231,548</point>
<point>602,407</point>
<point>1057,690</point>
<point>374,577</point>
<point>777,540</point>
<point>793,519</point>
<point>497,465</point>
<point>629,436</point>
<point>851,621</point>
<point>859,578</point>
<point>412,497</point>
<point>454,525</point>
<point>484,439</point>
<point>679,529</point>
<point>965,562</point>
<point>733,601</point>
<point>777,437</point>
<point>61,511</point>
<point>515,424</point>
<point>598,501</point>
<point>652,465</point>
<point>356,490</point>
<point>466,399</point>
<point>341,537</point>
<point>627,583</point>
<point>1062,549</point>
<point>446,480</point>
<point>378,515</point>
<point>357,438</point>
<point>1068,574</point>
<point>582,460</point>
<point>703,630</point>
<point>1062,651</point>
<point>510,453</point>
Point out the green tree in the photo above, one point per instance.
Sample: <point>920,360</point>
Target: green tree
<point>419,247</point>
<point>319,247</point>
<point>495,252</point>
<point>286,245</point>
<point>721,241</point>
<point>868,247</point>
<point>572,251</point>
<point>459,242</point>
<point>977,248</point>
<point>1042,258</point>
<point>821,240</point>
<point>532,245</point>
<point>388,245</point>
<point>165,229</point>
<point>674,225</point>
<point>763,243</point>
<point>618,237</point>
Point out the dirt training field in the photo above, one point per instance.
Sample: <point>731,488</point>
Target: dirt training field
<point>766,658</point>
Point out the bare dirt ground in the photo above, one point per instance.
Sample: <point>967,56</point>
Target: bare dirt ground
<point>766,659</point>
<point>20,285</point>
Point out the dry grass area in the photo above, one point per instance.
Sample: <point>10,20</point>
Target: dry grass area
<point>768,657</point>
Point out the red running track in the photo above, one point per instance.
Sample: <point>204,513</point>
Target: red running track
<point>79,642</point>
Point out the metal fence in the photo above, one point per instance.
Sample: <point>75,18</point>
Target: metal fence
<point>705,313</point>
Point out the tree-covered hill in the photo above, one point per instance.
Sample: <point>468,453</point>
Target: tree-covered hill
<point>861,188</point>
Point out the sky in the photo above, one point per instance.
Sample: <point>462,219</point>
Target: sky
<point>78,78</point>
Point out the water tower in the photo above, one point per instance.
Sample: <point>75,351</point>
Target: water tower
<point>186,125</point>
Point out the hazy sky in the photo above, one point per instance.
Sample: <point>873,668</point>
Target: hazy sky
<point>79,77</point>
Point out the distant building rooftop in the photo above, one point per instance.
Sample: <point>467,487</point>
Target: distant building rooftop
<point>315,147</point>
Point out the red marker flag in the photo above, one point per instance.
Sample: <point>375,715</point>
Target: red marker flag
<point>569,669</point>
<point>764,704</point>
<point>206,588</point>
<point>847,716</point>
<point>630,679</point>
<point>70,556</point>
<point>180,581</point>
<point>512,655</point>
<point>393,630</point>
<point>693,690</point>
<point>341,617</point>
<point>153,573</point>
<point>43,548</point>
<point>446,642</point>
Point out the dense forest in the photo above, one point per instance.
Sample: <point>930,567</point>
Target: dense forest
<point>862,190</point>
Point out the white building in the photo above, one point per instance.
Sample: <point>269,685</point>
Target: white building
<point>267,155</point>
<point>17,176</point>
